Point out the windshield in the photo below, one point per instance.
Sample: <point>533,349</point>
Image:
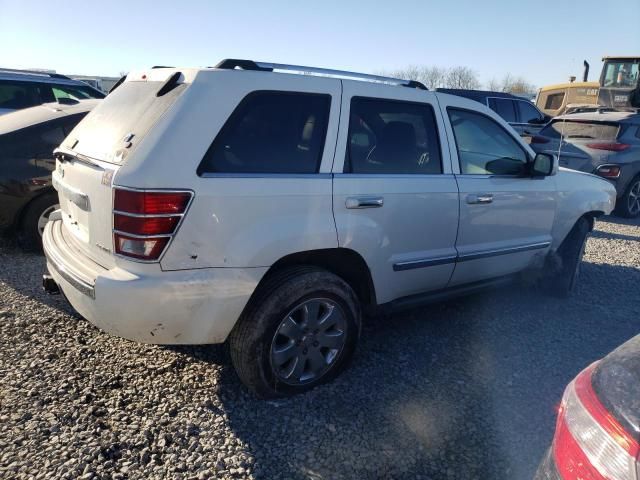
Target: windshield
<point>576,130</point>
<point>621,73</point>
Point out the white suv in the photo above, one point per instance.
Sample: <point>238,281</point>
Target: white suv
<point>253,204</point>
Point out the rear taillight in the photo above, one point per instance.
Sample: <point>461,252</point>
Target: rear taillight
<point>539,139</point>
<point>150,203</point>
<point>144,221</point>
<point>589,443</point>
<point>612,147</point>
<point>608,171</point>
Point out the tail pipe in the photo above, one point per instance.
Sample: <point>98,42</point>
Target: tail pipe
<point>49,284</point>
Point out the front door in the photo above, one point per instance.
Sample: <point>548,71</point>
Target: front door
<point>506,216</point>
<point>395,197</point>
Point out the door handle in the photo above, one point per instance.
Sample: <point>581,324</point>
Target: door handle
<point>479,198</point>
<point>364,202</point>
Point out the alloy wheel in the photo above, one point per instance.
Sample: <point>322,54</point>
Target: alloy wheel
<point>308,341</point>
<point>633,201</point>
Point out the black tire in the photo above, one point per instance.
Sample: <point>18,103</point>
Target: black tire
<point>29,236</point>
<point>623,206</point>
<point>564,276</point>
<point>254,336</point>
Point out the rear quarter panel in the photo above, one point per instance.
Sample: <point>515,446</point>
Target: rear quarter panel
<point>235,220</point>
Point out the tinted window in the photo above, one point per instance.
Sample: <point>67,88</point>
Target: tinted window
<point>74,92</point>
<point>271,132</point>
<point>527,112</point>
<point>554,101</point>
<point>484,147</point>
<point>577,130</point>
<point>504,108</point>
<point>392,137</point>
<point>18,95</point>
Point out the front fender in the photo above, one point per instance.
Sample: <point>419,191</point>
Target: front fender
<point>579,194</point>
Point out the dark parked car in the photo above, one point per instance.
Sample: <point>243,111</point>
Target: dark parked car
<point>27,140</point>
<point>519,112</point>
<point>23,89</point>
<point>598,428</point>
<point>603,143</point>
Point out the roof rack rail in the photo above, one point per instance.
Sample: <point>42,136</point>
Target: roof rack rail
<point>232,63</point>
<point>34,72</point>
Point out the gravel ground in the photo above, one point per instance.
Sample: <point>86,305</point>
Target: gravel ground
<point>463,389</point>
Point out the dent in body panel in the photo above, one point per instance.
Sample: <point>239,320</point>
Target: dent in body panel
<point>579,193</point>
<point>253,222</point>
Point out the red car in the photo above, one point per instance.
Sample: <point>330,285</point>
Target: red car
<point>598,428</point>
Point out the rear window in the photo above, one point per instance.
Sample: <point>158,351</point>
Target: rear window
<point>128,112</point>
<point>581,129</point>
<point>271,132</point>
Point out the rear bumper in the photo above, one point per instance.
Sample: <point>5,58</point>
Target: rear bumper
<point>174,307</point>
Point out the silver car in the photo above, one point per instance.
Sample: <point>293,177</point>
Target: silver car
<point>603,143</point>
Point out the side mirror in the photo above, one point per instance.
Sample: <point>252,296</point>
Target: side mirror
<point>544,165</point>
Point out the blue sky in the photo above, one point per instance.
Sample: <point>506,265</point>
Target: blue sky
<point>544,41</point>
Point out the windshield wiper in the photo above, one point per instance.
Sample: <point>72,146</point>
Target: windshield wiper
<point>579,136</point>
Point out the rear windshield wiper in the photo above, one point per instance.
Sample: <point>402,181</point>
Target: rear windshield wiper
<point>579,136</point>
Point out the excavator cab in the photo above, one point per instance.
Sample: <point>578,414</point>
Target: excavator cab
<point>620,82</point>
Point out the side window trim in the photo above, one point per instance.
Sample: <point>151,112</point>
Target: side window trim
<point>232,120</point>
<point>433,107</point>
<point>455,141</point>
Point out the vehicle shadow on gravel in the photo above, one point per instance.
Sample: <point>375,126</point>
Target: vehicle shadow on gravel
<point>462,389</point>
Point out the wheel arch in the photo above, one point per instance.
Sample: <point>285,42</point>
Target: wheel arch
<point>19,217</point>
<point>589,216</point>
<point>343,262</point>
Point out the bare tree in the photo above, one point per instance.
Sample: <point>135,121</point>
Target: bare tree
<point>462,77</point>
<point>433,77</point>
<point>512,84</point>
<point>494,85</point>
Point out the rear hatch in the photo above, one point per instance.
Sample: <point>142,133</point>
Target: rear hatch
<point>89,158</point>
<point>579,143</point>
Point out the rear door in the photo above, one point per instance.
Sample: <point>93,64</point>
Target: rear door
<point>505,217</point>
<point>395,198</point>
